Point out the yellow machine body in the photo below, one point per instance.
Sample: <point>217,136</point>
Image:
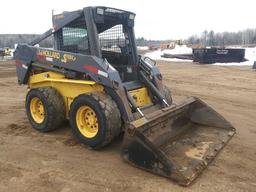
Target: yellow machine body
<point>69,89</point>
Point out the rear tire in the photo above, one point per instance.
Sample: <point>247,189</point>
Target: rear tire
<point>95,119</point>
<point>45,109</point>
<point>167,95</point>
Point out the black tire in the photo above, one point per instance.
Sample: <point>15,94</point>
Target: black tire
<point>108,118</point>
<point>54,108</point>
<point>167,95</point>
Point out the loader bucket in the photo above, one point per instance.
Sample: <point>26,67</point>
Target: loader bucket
<point>177,142</point>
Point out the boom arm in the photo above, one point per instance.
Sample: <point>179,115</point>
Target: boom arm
<point>80,66</point>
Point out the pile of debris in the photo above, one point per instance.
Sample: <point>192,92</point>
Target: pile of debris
<point>178,56</point>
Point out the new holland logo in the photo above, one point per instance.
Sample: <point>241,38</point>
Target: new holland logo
<point>47,53</point>
<point>50,55</point>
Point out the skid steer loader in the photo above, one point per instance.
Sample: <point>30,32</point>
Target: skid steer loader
<point>94,78</point>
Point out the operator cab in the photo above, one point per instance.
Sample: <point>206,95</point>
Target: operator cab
<point>109,35</point>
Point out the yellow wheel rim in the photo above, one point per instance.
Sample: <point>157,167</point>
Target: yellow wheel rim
<point>37,110</point>
<point>87,121</point>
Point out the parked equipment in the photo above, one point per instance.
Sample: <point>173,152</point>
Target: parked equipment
<point>216,55</point>
<point>5,52</point>
<point>94,78</point>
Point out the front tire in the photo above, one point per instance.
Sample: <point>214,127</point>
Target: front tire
<point>167,95</point>
<point>45,109</point>
<point>95,119</point>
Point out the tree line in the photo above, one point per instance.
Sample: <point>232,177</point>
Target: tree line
<point>9,40</point>
<point>207,38</point>
<point>141,41</point>
<point>210,38</point>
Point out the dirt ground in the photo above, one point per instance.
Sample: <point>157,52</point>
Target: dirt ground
<point>32,161</point>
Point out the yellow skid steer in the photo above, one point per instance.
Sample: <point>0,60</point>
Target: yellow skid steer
<point>94,78</point>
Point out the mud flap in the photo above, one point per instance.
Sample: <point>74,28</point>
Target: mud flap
<point>177,142</point>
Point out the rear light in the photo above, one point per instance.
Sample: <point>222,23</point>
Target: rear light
<point>132,16</point>
<point>100,11</point>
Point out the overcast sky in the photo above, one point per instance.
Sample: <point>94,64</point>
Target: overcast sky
<point>158,19</point>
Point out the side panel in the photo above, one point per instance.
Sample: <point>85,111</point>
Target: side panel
<point>69,89</point>
<point>141,97</point>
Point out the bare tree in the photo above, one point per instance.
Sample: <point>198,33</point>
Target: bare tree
<point>247,36</point>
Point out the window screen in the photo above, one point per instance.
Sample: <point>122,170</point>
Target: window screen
<point>75,37</point>
<point>113,39</point>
